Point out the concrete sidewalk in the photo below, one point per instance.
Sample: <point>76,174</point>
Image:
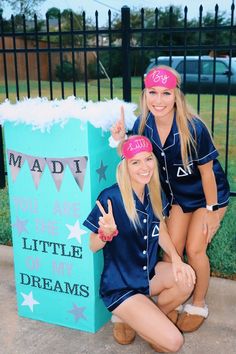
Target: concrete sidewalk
<point>24,336</point>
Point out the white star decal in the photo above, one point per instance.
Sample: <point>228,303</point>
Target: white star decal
<point>75,231</point>
<point>29,301</point>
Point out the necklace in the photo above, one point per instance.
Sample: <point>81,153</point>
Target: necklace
<point>140,196</point>
<point>139,193</point>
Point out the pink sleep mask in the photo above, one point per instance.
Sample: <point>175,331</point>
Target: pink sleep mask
<point>134,145</point>
<point>160,77</point>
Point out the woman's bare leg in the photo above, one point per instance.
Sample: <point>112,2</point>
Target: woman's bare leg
<point>196,247</point>
<point>177,224</point>
<point>150,323</point>
<point>170,293</point>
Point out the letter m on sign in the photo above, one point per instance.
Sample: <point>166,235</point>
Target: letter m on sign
<point>16,161</point>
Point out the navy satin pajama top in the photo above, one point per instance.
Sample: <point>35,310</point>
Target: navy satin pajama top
<point>130,258</point>
<point>185,187</point>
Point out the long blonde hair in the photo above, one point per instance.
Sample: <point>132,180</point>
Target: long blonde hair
<point>124,182</point>
<point>184,115</point>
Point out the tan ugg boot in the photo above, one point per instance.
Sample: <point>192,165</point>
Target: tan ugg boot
<point>192,318</point>
<point>123,333</point>
<point>173,316</point>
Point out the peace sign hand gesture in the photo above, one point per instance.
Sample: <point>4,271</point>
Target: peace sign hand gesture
<point>107,226</point>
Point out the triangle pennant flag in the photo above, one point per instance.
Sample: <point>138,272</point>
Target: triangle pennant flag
<point>36,166</point>
<point>78,166</point>
<point>57,169</point>
<point>16,161</point>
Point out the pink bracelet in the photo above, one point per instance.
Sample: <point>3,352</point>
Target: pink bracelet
<point>106,238</point>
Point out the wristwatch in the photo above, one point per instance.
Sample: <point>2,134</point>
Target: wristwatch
<point>212,207</point>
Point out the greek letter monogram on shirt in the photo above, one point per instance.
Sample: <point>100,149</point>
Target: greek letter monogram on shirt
<point>181,172</point>
<point>155,231</point>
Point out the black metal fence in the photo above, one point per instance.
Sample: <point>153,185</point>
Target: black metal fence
<point>64,56</point>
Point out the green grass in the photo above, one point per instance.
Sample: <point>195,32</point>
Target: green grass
<point>222,250</point>
<point>206,109</point>
<point>207,106</point>
<point>5,228</point>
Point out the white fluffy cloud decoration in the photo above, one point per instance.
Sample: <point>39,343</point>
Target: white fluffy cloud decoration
<point>42,113</point>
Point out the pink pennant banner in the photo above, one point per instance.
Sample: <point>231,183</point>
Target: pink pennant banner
<point>77,166</point>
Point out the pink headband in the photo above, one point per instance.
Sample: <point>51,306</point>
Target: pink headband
<point>134,145</point>
<point>160,77</point>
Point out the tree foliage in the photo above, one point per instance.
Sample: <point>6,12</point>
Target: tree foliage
<point>164,33</point>
<point>70,21</point>
<point>24,7</point>
<point>53,12</point>
<point>169,36</point>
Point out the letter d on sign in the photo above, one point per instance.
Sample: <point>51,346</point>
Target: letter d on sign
<point>25,279</point>
<point>57,166</point>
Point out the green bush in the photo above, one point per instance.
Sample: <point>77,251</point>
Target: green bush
<point>65,72</point>
<point>94,72</point>
<point>222,250</point>
<point>5,224</point>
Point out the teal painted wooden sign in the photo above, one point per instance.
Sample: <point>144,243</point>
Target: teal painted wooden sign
<point>54,179</point>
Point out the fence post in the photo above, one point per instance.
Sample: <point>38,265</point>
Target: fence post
<point>2,170</point>
<point>125,23</point>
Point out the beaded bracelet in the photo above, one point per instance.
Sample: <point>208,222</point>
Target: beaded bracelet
<point>105,237</point>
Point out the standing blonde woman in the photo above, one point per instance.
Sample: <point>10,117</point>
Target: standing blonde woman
<point>127,223</point>
<point>191,177</point>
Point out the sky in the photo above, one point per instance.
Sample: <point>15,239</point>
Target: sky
<point>102,6</point>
